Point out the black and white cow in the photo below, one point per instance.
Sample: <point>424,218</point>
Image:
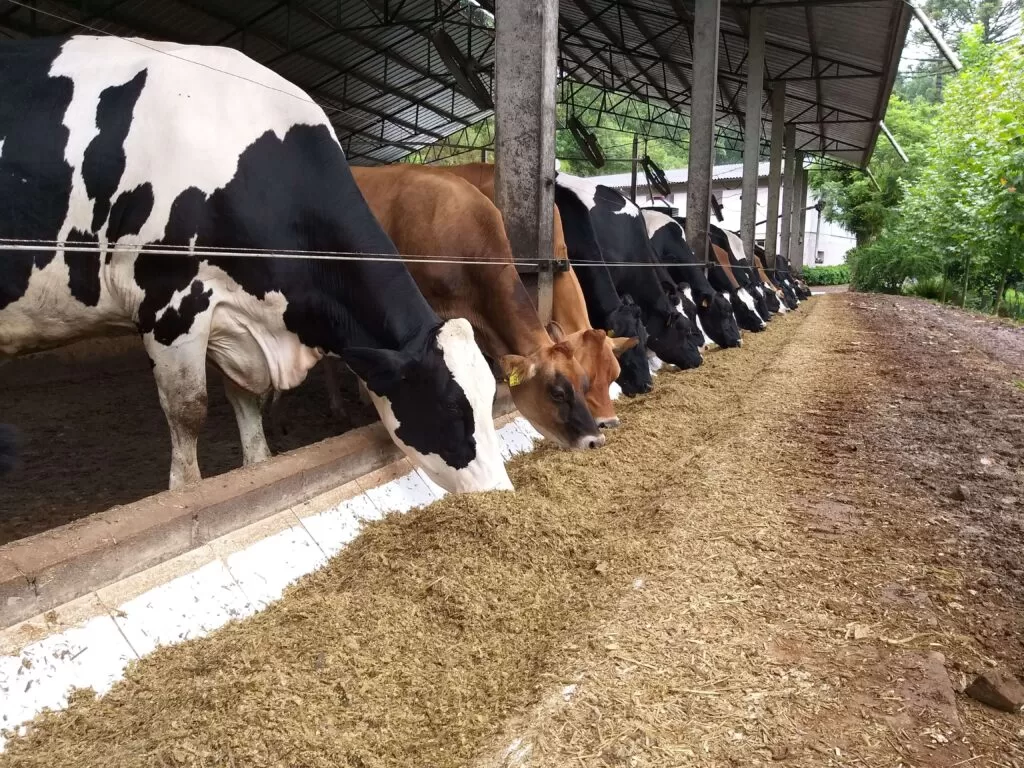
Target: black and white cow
<point>767,301</point>
<point>713,312</point>
<point>779,277</point>
<point>622,236</point>
<point>741,271</point>
<point>605,309</point>
<point>721,277</point>
<point>147,145</point>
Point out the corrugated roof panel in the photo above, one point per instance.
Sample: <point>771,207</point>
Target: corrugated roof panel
<point>333,48</point>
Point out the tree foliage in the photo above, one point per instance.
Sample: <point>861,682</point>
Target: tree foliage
<point>852,199</point>
<point>960,212</point>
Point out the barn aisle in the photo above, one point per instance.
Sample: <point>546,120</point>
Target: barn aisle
<point>798,552</point>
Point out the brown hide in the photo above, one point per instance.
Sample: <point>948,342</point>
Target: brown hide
<point>595,352</point>
<point>723,259</point>
<point>764,278</point>
<point>430,213</point>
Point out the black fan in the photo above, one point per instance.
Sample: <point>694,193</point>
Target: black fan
<point>462,69</point>
<point>655,177</point>
<point>586,141</point>
<point>717,208</point>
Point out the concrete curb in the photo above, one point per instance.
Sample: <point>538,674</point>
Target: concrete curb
<point>88,642</point>
<point>49,569</point>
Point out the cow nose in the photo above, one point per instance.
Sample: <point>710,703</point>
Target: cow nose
<point>593,441</point>
<point>608,423</point>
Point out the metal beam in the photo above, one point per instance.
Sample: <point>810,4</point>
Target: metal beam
<point>337,70</point>
<point>652,38</point>
<point>788,191</point>
<point>702,126</point>
<point>771,232</point>
<point>892,140</point>
<point>370,44</point>
<point>609,33</point>
<point>936,36</point>
<point>526,69</point>
<point>752,128</point>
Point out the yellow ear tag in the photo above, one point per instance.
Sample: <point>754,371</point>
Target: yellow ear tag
<point>611,334</point>
<point>515,379</point>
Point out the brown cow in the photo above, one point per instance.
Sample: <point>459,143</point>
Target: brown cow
<point>767,283</point>
<point>568,311</point>
<point>429,213</point>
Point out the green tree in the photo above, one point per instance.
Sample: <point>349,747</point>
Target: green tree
<point>850,196</point>
<point>962,214</point>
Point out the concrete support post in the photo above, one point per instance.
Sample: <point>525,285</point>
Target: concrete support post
<point>788,191</point>
<point>526,48</point>
<point>636,161</point>
<point>702,125</point>
<point>752,129</point>
<point>771,231</point>
<point>799,231</point>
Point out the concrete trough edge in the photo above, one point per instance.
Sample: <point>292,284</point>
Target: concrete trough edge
<point>89,641</point>
<point>42,572</point>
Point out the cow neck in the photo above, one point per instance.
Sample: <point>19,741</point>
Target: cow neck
<point>723,261</point>
<point>513,326</point>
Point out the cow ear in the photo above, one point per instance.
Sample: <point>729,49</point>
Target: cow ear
<point>623,344</point>
<point>380,369</point>
<point>516,369</point>
<point>555,331</point>
<point>565,348</point>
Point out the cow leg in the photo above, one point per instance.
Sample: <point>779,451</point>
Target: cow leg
<point>249,416</point>
<point>332,380</point>
<point>180,373</point>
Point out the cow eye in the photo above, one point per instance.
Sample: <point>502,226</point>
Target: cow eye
<point>558,394</point>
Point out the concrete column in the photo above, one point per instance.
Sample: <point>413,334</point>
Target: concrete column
<point>797,233</point>
<point>771,232</point>
<point>752,129</point>
<point>525,34</point>
<point>788,191</point>
<point>702,125</point>
<point>635,162</point>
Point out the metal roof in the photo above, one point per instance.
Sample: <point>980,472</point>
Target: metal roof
<point>838,58</point>
<point>374,68</point>
<point>726,172</point>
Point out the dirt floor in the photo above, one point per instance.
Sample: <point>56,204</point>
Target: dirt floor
<point>797,554</point>
<point>93,434</point>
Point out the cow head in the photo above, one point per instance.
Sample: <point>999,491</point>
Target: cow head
<point>437,404</point>
<point>673,340</point>
<point>757,293</point>
<point>718,320</point>
<point>745,311</point>
<point>626,321</point>
<point>771,298</point>
<point>549,388</point>
<point>788,293</point>
<point>803,291</point>
<point>680,298</point>
<point>597,354</point>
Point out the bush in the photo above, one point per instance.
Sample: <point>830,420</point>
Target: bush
<point>837,275</point>
<point>885,264</point>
